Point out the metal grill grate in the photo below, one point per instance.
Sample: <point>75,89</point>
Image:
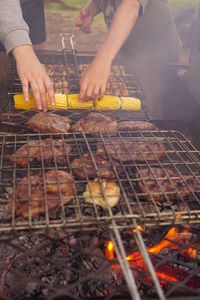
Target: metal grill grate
<point>65,71</point>
<point>180,155</point>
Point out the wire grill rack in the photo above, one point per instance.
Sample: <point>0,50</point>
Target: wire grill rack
<point>180,155</point>
<point>65,71</point>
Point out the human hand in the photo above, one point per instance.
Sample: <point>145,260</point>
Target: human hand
<point>94,80</point>
<point>31,71</point>
<point>84,20</point>
<point>46,2</point>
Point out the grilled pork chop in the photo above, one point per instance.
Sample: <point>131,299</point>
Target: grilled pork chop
<point>59,186</point>
<point>160,181</point>
<point>95,122</point>
<point>46,150</point>
<point>48,123</point>
<point>132,150</point>
<point>83,167</point>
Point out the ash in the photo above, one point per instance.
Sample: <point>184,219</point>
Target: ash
<point>57,264</point>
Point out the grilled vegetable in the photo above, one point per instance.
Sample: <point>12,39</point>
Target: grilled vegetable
<point>108,102</point>
<point>129,103</point>
<point>20,103</point>
<point>72,102</point>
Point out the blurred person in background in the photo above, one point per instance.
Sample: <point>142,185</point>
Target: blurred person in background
<point>145,32</point>
<point>22,24</point>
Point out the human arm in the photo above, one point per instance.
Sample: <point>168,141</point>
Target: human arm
<point>14,34</point>
<point>85,18</point>
<point>93,81</point>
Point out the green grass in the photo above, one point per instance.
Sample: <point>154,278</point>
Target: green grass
<point>57,7</point>
<point>174,4</point>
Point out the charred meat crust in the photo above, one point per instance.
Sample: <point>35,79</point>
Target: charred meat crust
<point>157,182</point>
<point>58,188</point>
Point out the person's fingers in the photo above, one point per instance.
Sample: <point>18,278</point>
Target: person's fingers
<point>36,93</point>
<point>102,92</point>
<point>24,82</point>
<point>49,88</point>
<point>86,29</point>
<point>95,93</point>
<point>78,21</point>
<point>89,91</point>
<point>83,90</point>
<point>42,94</point>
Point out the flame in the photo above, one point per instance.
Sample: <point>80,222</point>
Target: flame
<point>166,242</point>
<point>189,252</point>
<point>139,228</point>
<point>166,277</point>
<point>109,252</point>
<point>172,240</point>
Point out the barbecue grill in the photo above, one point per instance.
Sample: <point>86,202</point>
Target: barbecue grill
<point>181,155</point>
<point>84,251</point>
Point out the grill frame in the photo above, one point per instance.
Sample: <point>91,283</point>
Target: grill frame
<point>131,206</point>
<point>67,57</point>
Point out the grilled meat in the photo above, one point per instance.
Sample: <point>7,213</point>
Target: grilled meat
<point>94,194</point>
<point>138,151</point>
<point>159,182</point>
<point>48,122</point>
<point>58,75</point>
<point>95,122</point>
<point>136,125</point>
<point>84,166</point>
<point>46,150</point>
<point>59,186</point>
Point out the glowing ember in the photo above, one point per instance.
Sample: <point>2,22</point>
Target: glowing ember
<point>139,228</point>
<point>109,252</point>
<point>166,277</point>
<point>172,240</point>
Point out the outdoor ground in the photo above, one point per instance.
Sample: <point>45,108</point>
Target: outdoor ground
<point>60,20</point>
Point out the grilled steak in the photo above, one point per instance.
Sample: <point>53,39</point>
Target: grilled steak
<point>158,181</point>
<point>84,165</point>
<point>95,122</point>
<point>138,151</point>
<point>49,150</point>
<point>136,125</point>
<point>48,122</point>
<point>59,187</point>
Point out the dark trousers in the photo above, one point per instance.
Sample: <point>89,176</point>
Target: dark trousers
<point>33,14</point>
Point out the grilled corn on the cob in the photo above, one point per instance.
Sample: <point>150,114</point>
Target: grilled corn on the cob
<point>20,103</point>
<point>129,103</point>
<point>71,101</point>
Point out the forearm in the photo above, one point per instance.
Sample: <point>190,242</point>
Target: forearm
<point>122,24</point>
<point>21,53</point>
<point>13,29</point>
<point>93,7</point>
